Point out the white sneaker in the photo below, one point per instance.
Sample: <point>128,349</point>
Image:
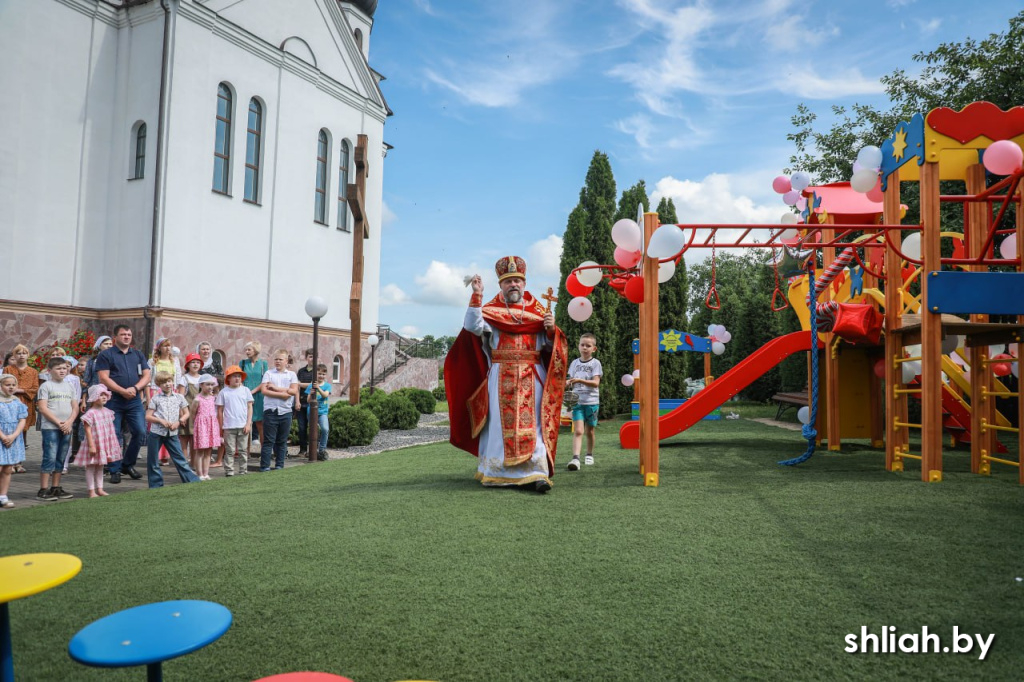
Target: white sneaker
<point>574,464</point>
<point>588,460</point>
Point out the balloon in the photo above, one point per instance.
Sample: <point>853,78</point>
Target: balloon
<point>573,286</point>
<point>875,194</point>
<point>995,350</point>
<point>635,290</point>
<point>879,369</point>
<point>913,351</point>
<point>863,180</point>
<point>781,184</point>
<point>909,372</point>
<point>626,234</point>
<point>711,329</point>
<point>626,258</point>
<point>726,337</point>
<point>789,236</point>
<point>950,344</point>
<point>800,181</point>
<point>666,270</point>
<point>790,198</point>
<point>857,165</point>
<point>870,157</point>
<point>580,309</point>
<point>667,240</point>
<point>790,219</point>
<point>627,379</point>
<point>719,331</point>
<point>717,347</point>
<point>801,204</point>
<point>957,360</point>
<point>1001,369</point>
<point>1008,247</point>
<point>803,415</point>
<point>911,247</point>
<point>1003,158</point>
<point>636,374</point>
<point>590,277</point>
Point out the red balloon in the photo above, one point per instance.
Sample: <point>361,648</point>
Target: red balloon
<point>1001,369</point>
<point>635,290</point>
<point>618,283</point>
<point>875,194</point>
<point>880,369</point>
<point>573,286</point>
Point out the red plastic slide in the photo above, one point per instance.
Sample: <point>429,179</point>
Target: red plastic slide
<point>721,389</point>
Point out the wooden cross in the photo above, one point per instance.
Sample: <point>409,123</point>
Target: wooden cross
<point>355,194</point>
<point>550,298</point>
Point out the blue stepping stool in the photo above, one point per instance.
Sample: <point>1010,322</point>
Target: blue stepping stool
<point>149,635</point>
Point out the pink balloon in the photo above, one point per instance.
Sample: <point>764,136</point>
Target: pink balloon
<point>781,184</point>
<point>875,194</point>
<point>626,258</point>
<point>627,379</point>
<point>580,309</point>
<point>791,197</point>
<point>1003,157</point>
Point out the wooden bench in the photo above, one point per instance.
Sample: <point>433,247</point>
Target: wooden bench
<point>788,400</point>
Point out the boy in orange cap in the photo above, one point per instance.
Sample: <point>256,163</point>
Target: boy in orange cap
<point>234,412</point>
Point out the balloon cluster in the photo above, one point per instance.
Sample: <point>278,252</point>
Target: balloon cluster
<point>630,379</point>
<point>1003,157</point>
<point>719,336</point>
<point>791,188</point>
<point>865,177</point>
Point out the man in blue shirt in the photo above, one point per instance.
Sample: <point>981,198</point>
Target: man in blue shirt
<point>125,371</point>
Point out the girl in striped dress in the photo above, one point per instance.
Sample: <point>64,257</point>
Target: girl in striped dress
<point>100,446</point>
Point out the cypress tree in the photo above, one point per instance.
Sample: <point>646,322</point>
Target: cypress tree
<point>629,313</point>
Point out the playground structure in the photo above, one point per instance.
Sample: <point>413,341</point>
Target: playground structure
<point>839,223</point>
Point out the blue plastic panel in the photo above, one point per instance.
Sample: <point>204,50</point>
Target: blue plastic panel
<point>987,293</point>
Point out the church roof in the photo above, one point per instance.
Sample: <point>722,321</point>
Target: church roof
<point>367,7</point>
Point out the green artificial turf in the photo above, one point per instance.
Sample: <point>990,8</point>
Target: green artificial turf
<point>400,566</point>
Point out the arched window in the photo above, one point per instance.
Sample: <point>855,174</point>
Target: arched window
<point>323,150</point>
<point>253,147</point>
<point>222,142</point>
<point>343,187</point>
<point>358,35</point>
<point>336,368</point>
<point>139,164</point>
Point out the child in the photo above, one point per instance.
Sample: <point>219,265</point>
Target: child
<point>166,412</point>
<point>254,367</point>
<point>58,407</point>
<point>584,378</point>
<point>13,417</point>
<point>280,386</point>
<point>234,412</point>
<point>205,428</point>
<point>100,446</point>
<point>188,386</point>
<point>323,393</point>
<point>28,386</point>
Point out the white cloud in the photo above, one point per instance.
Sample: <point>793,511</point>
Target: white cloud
<point>544,256</point>
<point>392,294</point>
<point>930,27</point>
<point>425,7</point>
<point>840,83</point>
<point>650,135</point>
<point>387,216</point>
<point>410,330</point>
<point>444,284</point>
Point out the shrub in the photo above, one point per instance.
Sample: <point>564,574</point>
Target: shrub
<point>366,394</point>
<point>439,394</point>
<point>350,426</point>
<point>395,411</point>
<point>293,432</point>
<point>423,399</point>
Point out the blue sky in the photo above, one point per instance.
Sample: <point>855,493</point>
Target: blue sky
<point>500,104</point>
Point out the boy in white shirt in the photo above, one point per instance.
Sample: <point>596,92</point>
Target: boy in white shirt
<point>280,389</point>
<point>584,379</point>
<point>234,412</point>
<point>58,406</point>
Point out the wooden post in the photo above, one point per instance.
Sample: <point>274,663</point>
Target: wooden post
<point>649,361</point>
<point>894,436</point>
<point>832,378</point>
<point>355,193</point>
<point>982,407</point>
<point>931,329</point>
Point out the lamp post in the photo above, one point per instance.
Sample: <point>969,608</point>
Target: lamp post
<point>373,340</point>
<point>316,308</point>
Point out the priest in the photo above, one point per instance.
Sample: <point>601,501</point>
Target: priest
<point>504,378</point>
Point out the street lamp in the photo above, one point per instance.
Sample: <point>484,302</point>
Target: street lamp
<point>373,340</point>
<point>316,308</point>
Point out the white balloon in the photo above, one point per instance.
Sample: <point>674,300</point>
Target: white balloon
<point>711,329</point>
<point>863,181</point>
<point>627,380</point>
<point>717,347</point>
<point>665,271</point>
<point>1015,369</point>
<point>911,246</point>
<point>636,374</point>
<point>870,157</point>
<point>803,415</point>
<point>726,337</point>
<point>790,219</point>
<point>719,331</point>
<point>950,344</point>
<point>580,308</point>
<point>996,350</point>
<point>800,181</point>
<point>789,236</point>
<point>908,373</point>
<point>913,351</point>
<point>590,277</point>
<point>957,360</point>
<point>1008,247</point>
<point>667,240</point>
<point>626,234</point>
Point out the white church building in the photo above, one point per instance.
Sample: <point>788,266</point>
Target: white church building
<point>181,165</point>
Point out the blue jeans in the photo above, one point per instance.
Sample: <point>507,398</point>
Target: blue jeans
<point>55,450</point>
<point>173,447</point>
<point>325,428</point>
<point>276,428</point>
<point>135,413</point>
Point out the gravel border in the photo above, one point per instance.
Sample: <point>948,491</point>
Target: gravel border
<point>429,430</point>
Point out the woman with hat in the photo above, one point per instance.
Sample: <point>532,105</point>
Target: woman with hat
<point>163,360</point>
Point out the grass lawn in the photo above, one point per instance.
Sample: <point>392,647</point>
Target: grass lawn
<point>400,566</point>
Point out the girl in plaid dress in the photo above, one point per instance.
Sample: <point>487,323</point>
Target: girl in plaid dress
<point>100,446</point>
<point>205,427</point>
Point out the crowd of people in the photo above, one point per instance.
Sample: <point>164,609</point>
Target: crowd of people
<point>193,414</point>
